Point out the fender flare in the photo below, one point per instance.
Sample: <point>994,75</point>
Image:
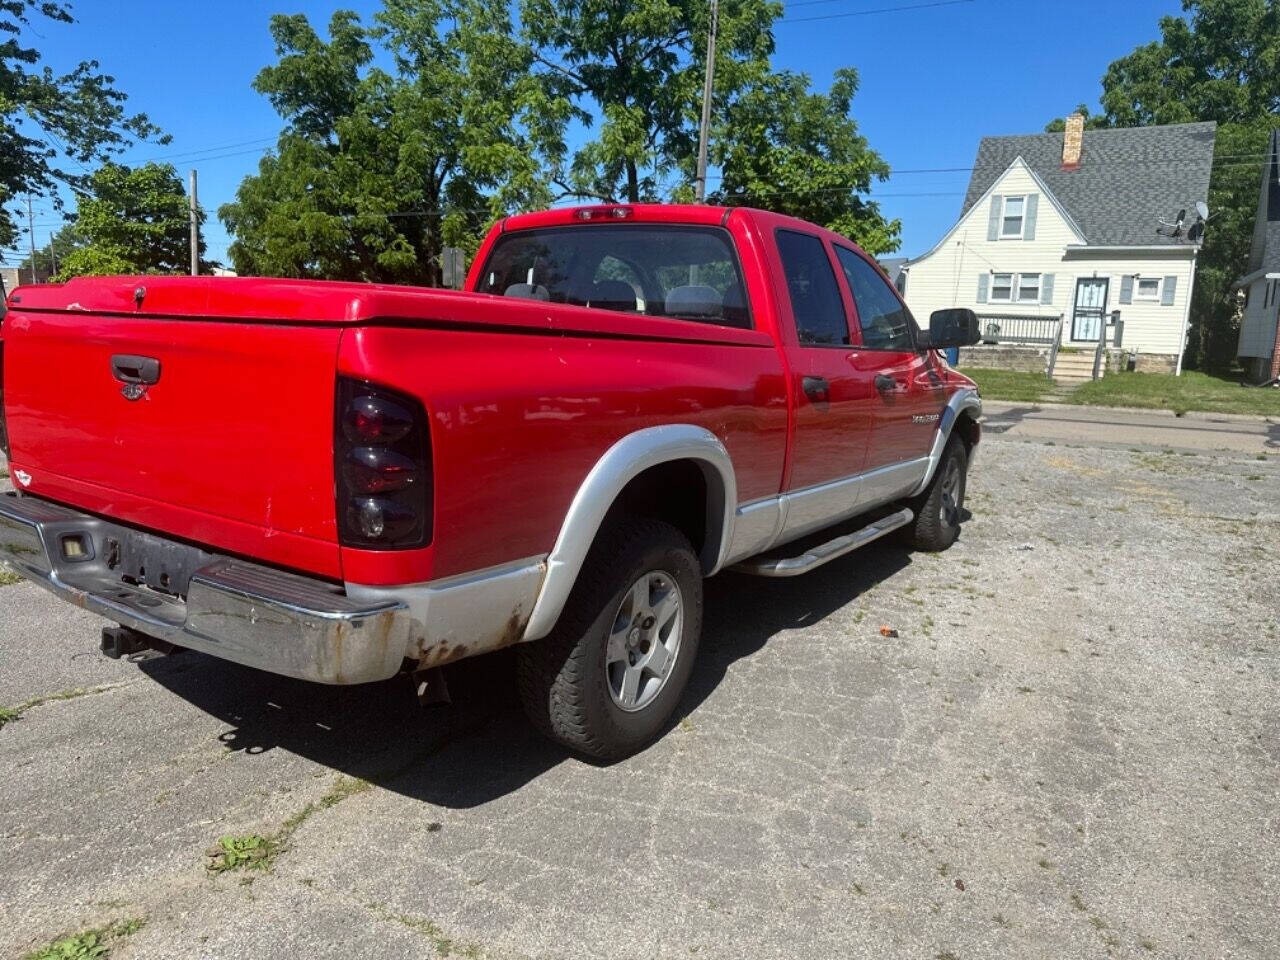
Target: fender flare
<point>965,400</point>
<point>622,463</point>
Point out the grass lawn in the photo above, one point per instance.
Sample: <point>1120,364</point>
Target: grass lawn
<point>1010,384</point>
<point>1191,391</point>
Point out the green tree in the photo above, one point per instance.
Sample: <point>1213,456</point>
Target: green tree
<point>635,72</point>
<point>784,148</point>
<point>1220,61</point>
<point>47,119</point>
<point>377,170</point>
<point>131,221</point>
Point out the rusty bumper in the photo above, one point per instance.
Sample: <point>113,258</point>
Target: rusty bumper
<point>258,616</point>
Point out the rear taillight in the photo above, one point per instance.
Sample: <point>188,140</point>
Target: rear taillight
<point>4,433</point>
<point>382,461</point>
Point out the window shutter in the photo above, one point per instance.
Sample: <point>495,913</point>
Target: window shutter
<point>1126,288</point>
<point>993,225</point>
<point>1170,288</point>
<point>1029,216</point>
<point>983,279</point>
<point>1046,288</point>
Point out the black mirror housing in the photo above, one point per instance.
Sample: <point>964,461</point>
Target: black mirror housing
<point>954,327</point>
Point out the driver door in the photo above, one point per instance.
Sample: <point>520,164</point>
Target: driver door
<point>909,390</point>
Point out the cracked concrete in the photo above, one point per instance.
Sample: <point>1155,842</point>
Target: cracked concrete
<point>1069,750</point>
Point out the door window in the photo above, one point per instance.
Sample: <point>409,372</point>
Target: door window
<point>885,322</point>
<point>811,283</point>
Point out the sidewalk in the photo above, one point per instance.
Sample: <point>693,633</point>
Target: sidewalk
<point>1128,427</point>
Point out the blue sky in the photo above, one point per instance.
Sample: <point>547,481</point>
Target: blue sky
<point>934,80</point>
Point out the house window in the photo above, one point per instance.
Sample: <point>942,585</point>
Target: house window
<point>1011,222</point>
<point>1147,288</point>
<point>1002,287</point>
<point>1028,288</point>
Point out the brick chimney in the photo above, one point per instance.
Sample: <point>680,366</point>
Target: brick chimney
<point>1072,141</point>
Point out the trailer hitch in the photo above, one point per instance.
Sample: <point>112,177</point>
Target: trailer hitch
<point>118,642</point>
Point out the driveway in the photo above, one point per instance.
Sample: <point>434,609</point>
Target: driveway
<point>1069,749</point>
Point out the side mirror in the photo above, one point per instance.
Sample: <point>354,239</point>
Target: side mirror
<point>955,327</point>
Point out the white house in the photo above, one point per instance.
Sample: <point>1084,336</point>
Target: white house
<point>1259,347</point>
<point>1065,224</point>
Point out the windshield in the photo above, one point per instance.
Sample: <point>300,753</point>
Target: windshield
<point>662,270</point>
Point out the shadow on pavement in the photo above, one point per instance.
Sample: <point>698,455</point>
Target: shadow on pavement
<point>1005,420</point>
<point>480,747</point>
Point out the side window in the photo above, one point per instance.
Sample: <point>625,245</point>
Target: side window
<point>885,323</point>
<point>811,283</point>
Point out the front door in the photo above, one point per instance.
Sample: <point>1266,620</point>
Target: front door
<point>910,394</point>
<point>1091,307</point>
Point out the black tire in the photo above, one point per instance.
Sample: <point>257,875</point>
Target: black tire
<point>937,521</point>
<point>564,678</point>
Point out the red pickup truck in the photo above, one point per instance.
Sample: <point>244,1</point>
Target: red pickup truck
<point>340,481</point>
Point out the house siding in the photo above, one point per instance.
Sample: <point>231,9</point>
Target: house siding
<point>949,275</point>
<point>1261,314</point>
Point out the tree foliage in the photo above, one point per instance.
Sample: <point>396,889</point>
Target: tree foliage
<point>1220,61</point>
<point>47,119</point>
<point>636,71</point>
<point>376,170</point>
<point>131,221</point>
<point>782,147</point>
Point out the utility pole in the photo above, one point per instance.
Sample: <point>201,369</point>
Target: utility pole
<point>53,255</point>
<point>195,229</point>
<point>700,193</point>
<point>31,232</point>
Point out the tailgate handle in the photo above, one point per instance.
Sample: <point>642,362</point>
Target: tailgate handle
<point>130,369</point>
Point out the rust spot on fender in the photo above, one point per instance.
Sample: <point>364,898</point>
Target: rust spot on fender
<point>512,632</point>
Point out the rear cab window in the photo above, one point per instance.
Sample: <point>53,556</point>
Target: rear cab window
<point>815,297</point>
<point>659,270</point>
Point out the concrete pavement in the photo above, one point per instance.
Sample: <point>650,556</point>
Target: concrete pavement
<point>1069,750</point>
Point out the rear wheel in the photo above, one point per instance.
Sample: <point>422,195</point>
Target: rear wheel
<point>606,680</point>
<point>937,520</point>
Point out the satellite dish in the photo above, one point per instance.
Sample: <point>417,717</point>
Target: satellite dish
<point>1202,208</point>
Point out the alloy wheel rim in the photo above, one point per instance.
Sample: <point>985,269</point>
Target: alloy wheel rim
<point>644,640</point>
<point>950,507</point>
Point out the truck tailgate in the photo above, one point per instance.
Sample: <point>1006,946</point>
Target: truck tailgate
<point>231,446</point>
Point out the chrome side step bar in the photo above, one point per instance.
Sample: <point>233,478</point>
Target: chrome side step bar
<point>775,566</point>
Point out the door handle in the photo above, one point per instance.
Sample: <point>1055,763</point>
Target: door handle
<point>128,368</point>
<point>885,383</point>
<point>817,389</point>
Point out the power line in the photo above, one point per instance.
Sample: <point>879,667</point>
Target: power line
<point>209,149</point>
<point>867,13</point>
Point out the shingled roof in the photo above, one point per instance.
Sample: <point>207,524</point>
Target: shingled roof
<point>1127,179</point>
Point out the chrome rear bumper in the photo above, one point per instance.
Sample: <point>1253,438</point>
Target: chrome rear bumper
<point>258,616</point>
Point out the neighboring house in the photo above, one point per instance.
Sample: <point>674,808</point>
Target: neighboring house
<point>892,267</point>
<point>13,277</point>
<point>1064,224</point>
<point>1259,349</point>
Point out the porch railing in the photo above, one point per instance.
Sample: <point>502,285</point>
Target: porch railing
<point>1019,330</point>
<point>1023,330</point>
